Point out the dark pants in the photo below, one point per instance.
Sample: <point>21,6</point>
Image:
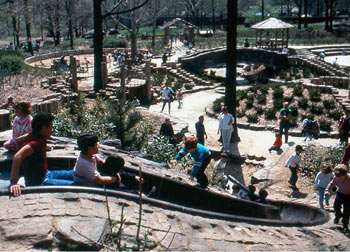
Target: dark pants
<point>293,176</point>
<point>165,102</point>
<point>342,199</point>
<point>201,177</point>
<point>275,149</point>
<point>284,127</point>
<point>343,138</point>
<point>200,139</point>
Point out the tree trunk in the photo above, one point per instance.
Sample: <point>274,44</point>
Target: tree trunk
<point>331,15</point>
<point>98,44</point>
<point>133,45</point>
<point>50,23</point>
<point>15,30</point>
<point>154,33</point>
<point>327,16</point>
<point>57,37</point>
<point>213,14</point>
<point>28,28</point>
<point>70,23</point>
<point>231,62</point>
<point>262,9</point>
<point>306,5</point>
<point>299,15</point>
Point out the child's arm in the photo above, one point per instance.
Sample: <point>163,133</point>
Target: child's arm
<point>22,154</point>
<point>105,180</point>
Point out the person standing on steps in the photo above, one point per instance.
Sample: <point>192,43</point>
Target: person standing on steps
<point>167,96</point>
<point>285,116</point>
<point>200,130</point>
<point>225,126</point>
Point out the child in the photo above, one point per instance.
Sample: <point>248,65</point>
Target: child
<point>85,170</point>
<point>262,196</point>
<point>201,156</point>
<point>238,192</point>
<point>179,98</point>
<point>251,194</point>
<point>113,166</point>
<point>277,144</point>
<point>9,102</point>
<point>293,163</point>
<point>322,180</point>
<point>342,181</point>
<point>220,167</point>
<point>32,157</point>
<point>21,124</point>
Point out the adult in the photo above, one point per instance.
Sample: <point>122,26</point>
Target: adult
<point>167,96</point>
<point>285,116</point>
<point>344,127</point>
<point>200,130</point>
<point>201,156</point>
<point>246,43</point>
<point>21,124</point>
<point>32,158</point>
<point>166,129</point>
<point>225,126</point>
<point>310,129</point>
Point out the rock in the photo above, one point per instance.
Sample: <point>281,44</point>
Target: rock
<point>112,142</point>
<point>93,228</point>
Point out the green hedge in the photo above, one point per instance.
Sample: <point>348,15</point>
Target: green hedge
<point>114,43</point>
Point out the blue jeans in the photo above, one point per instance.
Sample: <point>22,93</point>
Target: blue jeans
<point>321,196</point>
<point>59,177</point>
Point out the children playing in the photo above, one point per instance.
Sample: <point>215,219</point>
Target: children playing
<point>277,144</point>
<point>293,163</point>
<point>322,180</point>
<point>32,157</point>
<point>342,198</point>
<point>21,124</point>
<point>201,156</point>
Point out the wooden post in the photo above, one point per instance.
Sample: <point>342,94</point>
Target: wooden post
<point>73,72</point>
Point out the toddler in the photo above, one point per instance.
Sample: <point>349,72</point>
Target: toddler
<point>322,180</point>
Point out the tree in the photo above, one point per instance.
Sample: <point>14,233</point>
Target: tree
<point>231,61</point>
<point>27,19</point>
<point>299,4</point>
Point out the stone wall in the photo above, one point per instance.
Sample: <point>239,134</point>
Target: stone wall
<point>204,59</point>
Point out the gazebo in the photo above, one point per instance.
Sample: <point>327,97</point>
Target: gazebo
<point>279,36</point>
<point>188,30</point>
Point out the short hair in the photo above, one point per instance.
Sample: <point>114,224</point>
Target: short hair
<point>263,193</point>
<point>340,170</point>
<point>23,106</point>
<point>236,187</point>
<point>277,134</point>
<point>191,142</point>
<point>223,155</point>
<point>201,116</point>
<point>251,188</point>
<point>113,164</point>
<point>40,120</point>
<point>326,167</point>
<point>298,148</point>
<point>85,140</point>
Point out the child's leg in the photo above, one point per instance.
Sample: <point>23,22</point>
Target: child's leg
<point>346,214</point>
<point>337,208</point>
<point>201,177</point>
<point>321,195</point>
<point>59,177</point>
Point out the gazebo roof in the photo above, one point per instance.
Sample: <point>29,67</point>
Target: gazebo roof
<point>177,20</point>
<point>272,23</point>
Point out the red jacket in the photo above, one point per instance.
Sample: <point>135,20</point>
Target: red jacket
<point>278,142</point>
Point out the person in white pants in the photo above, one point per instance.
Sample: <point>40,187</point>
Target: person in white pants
<point>225,126</point>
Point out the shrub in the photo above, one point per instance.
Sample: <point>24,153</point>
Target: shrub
<point>252,118</point>
<point>259,110</point>
<point>11,64</point>
<point>249,104</point>
<point>325,125</point>
<point>262,99</point>
<point>250,98</point>
<point>329,104</point>
<point>295,112</point>
<point>241,94</point>
<point>264,89</point>
<point>315,95</point>
<point>277,104</point>
<point>188,86</point>
<point>317,110</point>
<point>114,43</point>
<point>289,98</point>
<point>335,114</point>
<point>293,122</point>
<point>240,113</point>
<point>218,103</point>
<point>270,114</point>
<point>298,91</point>
<point>178,85</point>
<point>303,103</point>
<point>277,93</point>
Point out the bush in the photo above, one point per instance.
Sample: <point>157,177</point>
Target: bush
<point>114,43</point>
<point>11,64</point>
<point>335,114</point>
<point>259,110</point>
<point>277,104</point>
<point>253,118</point>
<point>295,112</point>
<point>270,114</point>
<point>264,89</point>
<point>249,104</point>
<point>188,86</point>
<point>289,98</point>
<point>315,95</point>
<point>277,93</point>
<point>178,85</point>
<point>317,110</point>
<point>262,99</point>
<point>325,125</point>
<point>250,98</point>
<point>241,94</point>
<point>303,103</point>
<point>218,103</point>
<point>329,104</point>
<point>298,91</point>
<point>240,113</point>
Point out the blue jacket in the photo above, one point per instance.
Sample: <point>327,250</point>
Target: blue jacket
<point>199,155</point>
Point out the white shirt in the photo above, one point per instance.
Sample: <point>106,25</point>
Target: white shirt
<point>225,121</point>
<point>166,92</point>
<point>293,160</point>
<point>322,179</point>
<point>85,171</point>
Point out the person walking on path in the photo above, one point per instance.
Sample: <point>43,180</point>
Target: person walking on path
<point>293,163</point>
<point>225,126</point>
<point>200,130</point>
<point>344,127</point>
<point>322,180</point>
<point>342,198</point>
<point>167,96</point>
<point>285,116</point>
<point>201,156</point>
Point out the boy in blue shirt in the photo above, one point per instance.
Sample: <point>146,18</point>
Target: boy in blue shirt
<point>201,156</point>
